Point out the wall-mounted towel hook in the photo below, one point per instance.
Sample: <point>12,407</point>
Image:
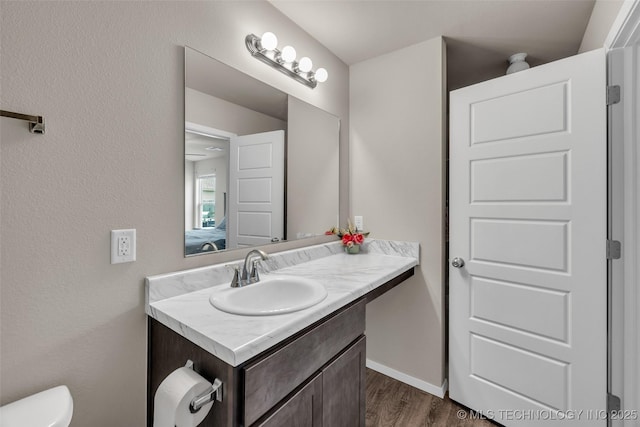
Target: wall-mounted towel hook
<point>209,395</point>
<point>36,123</point>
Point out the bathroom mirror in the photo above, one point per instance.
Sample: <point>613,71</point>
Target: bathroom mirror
<point>260,165</point>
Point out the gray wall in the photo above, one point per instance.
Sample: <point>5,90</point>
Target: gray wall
<point>397,183</point>
<point>217,113</point>
<point>312,169</point>
<point>602,17</point>
<point>108,78</point>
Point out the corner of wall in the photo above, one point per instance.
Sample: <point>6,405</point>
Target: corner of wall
<point>602,17</point>
<point>398,145</point>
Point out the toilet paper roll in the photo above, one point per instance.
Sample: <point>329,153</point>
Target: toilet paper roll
<point>172,399</point>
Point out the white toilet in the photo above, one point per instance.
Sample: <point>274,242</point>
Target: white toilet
<point>49,408</point>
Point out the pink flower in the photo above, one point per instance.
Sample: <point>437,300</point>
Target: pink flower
<point>358,239</point>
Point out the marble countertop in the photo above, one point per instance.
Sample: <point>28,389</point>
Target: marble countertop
<point>180,300</point>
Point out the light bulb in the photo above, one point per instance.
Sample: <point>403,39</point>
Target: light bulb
<point>269,41</point>
<point>321,75</point>
<point>288,54</point>
<point>305,64</point>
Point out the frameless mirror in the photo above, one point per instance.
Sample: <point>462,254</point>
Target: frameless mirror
<point>260,166</point>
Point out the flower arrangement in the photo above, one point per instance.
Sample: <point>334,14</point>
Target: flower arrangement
<point>351,238</point>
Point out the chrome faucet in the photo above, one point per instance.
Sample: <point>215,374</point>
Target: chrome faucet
<point>248,275</point>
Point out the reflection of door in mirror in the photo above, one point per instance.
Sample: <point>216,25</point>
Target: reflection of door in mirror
<point>256,189</point>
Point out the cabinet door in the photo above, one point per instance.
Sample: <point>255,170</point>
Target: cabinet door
<point>343,388</point>
<point>303,409</point>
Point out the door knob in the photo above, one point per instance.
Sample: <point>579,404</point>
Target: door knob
<point>457,262</point>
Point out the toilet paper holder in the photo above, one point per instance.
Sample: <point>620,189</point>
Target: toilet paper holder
<point>209,395</point>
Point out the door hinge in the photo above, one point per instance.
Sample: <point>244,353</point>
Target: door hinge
<point>613,403</point>
<point>614,249</point>
<point>613,94</point>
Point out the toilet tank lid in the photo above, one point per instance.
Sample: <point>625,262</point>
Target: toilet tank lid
<point>49,408</point>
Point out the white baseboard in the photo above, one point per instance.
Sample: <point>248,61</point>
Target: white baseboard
<point>408,379</point>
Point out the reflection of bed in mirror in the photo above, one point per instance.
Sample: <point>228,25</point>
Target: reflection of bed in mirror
<point>206,239</point>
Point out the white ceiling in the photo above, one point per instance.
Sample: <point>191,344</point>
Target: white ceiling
<point>201,147</point>
<point>480,34</point>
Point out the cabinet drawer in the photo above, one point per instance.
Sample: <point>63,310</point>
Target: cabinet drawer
<point>269,380</point>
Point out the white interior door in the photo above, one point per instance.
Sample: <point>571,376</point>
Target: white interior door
<point>256,189</point>
<point>528,217</point>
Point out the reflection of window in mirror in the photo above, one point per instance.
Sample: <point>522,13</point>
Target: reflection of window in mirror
<point>206,200</point>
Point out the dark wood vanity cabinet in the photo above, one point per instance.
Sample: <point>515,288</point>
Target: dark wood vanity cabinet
<point>333,397</point>
<point>314,378</point>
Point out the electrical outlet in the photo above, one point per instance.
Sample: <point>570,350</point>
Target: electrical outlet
<point>123,246</point>
<point>359,223</point>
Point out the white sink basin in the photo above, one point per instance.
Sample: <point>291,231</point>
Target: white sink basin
<point>271,295</point>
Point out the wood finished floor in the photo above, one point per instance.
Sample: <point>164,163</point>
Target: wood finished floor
<point>391,403</point>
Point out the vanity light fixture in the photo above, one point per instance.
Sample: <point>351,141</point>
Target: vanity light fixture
<point>265,49</point>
